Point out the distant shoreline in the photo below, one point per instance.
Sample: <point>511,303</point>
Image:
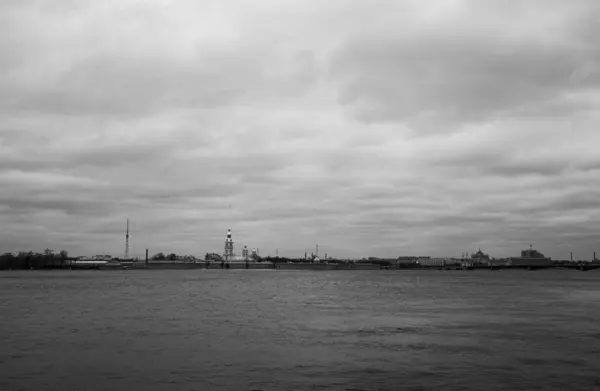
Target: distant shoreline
<point>173,265</point>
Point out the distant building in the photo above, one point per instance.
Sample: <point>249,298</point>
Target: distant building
<point>497,262</point>
<point>228,253</point>
<point>406,262</point>
<point>408,258</point>
<point>530,258</point>
<point>531,253</point>
<point>430,262</point>
<point>102,257</point>
<point>480,257</point>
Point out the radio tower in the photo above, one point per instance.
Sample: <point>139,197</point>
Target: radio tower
<point>127,241</point>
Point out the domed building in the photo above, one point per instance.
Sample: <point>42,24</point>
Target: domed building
<point>480,257</point>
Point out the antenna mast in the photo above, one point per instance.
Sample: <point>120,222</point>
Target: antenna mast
<point>127,241</point>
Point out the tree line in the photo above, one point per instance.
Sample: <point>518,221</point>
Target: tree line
<point>168,257</point>
<point>48,259</point>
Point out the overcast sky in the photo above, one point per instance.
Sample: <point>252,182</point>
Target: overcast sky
<point>379,128</point>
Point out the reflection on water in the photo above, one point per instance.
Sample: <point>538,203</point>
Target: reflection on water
<point>299,330</point>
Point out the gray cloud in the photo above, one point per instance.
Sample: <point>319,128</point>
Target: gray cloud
<point>294,123</point>
<point>464,72</point>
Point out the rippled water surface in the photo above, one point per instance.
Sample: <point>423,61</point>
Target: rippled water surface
<point>299,330</point>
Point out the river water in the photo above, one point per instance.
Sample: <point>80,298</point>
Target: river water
<point>299,330</point>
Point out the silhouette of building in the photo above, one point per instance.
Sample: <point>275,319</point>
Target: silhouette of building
<point>228,254</point>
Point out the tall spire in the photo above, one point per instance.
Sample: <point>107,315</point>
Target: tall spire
<point>127,241</point>
<point>228,246</point>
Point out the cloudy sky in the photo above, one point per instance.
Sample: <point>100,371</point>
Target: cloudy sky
<point>375,127</point>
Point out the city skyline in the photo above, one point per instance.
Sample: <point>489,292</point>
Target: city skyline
<point>381,129</point>
<point>229,242</point>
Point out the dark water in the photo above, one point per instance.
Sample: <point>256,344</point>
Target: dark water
<point>297,330</point>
